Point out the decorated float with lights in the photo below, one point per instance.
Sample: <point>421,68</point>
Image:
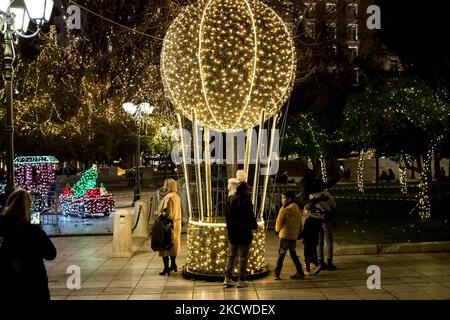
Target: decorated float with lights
<point>84,199</point>
<point>36,174</point>
<point>227,66</point>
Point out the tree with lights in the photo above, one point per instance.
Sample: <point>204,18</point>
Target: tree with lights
<point>87,181</point>
<point>404,118</point>
<point>70,93</point>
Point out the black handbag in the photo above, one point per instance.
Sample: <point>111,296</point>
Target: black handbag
<point>161,238</point>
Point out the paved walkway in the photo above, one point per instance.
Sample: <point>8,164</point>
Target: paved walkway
<point>403,276</point>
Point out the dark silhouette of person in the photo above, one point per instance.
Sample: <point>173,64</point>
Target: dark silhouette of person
<point>23,246</point>
<point>383,175</point>
<point>391,175</point>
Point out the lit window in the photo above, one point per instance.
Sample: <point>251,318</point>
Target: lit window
<point>352,32</point>
<point>353,52</point>
<point>352,11</point>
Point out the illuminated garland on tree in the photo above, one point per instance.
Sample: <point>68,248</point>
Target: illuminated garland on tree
<point>310,164</point>
<point>402,177</point>
<point>360,171</point>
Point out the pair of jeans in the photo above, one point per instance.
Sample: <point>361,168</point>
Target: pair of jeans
<point>285,246</point>
<point>325,237</point>
<point>235,250</point>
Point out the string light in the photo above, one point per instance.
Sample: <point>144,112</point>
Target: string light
<point>36,174</point>
<point>360,172</point>
<point>228,60</point>
<point>86,182</point>
<point>323,168</point>
<point>208,248</point>
<point>84,199</point>
<point>310,164</point>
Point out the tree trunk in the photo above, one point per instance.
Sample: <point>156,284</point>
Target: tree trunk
<point>437,174</point>
<point>377,169</point>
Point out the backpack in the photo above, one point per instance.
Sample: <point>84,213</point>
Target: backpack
<point>161,238</point>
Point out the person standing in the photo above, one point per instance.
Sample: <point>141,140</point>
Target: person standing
<point>325,206</point>
<point>170,207</point>
<point>240,222</point>
<point>23,248</point>
<point>288,225</point>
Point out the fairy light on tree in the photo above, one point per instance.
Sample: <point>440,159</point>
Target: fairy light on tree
<point>360,171</point>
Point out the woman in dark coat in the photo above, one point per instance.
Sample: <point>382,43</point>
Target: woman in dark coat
<point>23,246</point>
<point>240,223</point>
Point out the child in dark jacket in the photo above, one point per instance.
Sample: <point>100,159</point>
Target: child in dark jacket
<point>310,236</point>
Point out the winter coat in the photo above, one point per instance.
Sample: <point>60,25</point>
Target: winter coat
<point>240,220</point>
<point>325,205</point>
<point>311,228</point>
<point>23,276</point>
<point>289,222</point>
<point>170,206</point>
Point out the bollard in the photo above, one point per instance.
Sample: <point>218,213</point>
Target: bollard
<point>122,242</point>
<point>141,212</point>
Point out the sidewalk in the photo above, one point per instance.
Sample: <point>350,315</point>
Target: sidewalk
<point>403,276</point>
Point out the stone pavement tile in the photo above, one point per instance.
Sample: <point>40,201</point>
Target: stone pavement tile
<point>95,284</point>
<point>239,294</point>
<point>114,290</point>
<point>180,289</point>
<point>100,277</point>
<point>439,294</point>
<point>155,296</point>
<point>102,271</point>
<point>309,293</point>
<point>60,291</point>
<point>330,284</point>
<point>151,283</point>
<point>87,291</point>
<point>177,296</point>
<point>336,291</point>
<point>398,287</point>
<point>58,297</point>
<point>411,296</point>
<point>354,283</point>
<point>113,297</point>
<point>275,284</point>
<point>343,297</point>
<point>209,295</point>
<point>149,290</point>
<point>57,284</point>
<point>273,294</point>
<point>90,297</point>
<point>299,284</point>
<point>123,283</point>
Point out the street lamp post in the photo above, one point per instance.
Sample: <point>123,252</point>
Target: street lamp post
<point>137,111</point>
<point>15,17</point>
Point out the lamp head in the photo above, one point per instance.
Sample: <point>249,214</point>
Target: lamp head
<point>39,10</point>
<point>4,5</point>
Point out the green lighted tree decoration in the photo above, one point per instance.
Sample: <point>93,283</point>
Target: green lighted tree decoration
<point>87,181</point>
<point>404,117</point>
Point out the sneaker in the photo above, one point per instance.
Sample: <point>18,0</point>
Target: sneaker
<point>316,270</point>
<point>277,278</point>
<point>298,276</point>
<point>228,282</point>
<point>242,283</point>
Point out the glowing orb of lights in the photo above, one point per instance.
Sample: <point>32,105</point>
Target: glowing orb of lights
<point>227,60</point>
